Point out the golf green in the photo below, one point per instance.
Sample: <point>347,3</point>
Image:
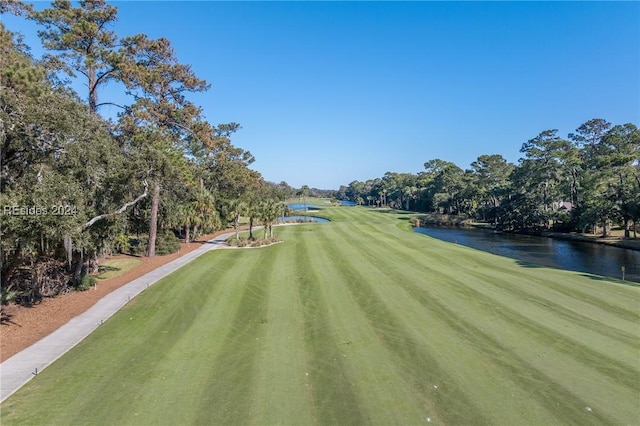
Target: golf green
<point>355,321</point>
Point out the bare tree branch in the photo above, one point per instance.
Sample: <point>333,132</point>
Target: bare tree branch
<point>119,211</point>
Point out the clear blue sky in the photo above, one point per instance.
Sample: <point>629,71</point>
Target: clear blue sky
<point>332,92</point>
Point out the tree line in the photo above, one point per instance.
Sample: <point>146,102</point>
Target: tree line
<point>76,185</point>
<point>587,180</point>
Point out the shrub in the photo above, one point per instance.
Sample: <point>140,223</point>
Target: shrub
<point>137,247</point>
<point>86,283</point>
<point>122,243</point>
<point>167,243</point>
<point>245,242</point>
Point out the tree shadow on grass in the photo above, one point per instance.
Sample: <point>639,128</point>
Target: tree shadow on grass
<point>526,264</point>
<point>106,268</point>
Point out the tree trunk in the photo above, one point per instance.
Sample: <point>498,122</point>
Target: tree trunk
<point>626,228</point>
<point>187,237</point>
<point>93,94</point>
<point>77,273</point>
<point>251,228</point>
<point>153,221</point>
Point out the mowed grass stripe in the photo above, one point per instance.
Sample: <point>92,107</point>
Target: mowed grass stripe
<point>590,315</point>
<point>334,399</point>
<point>283,394</point>
<point>428,351</point>
<point>612,300</point>
<point>231,384</point>
<point>615,335</point>
<point>591,384</point>
<point>385,395</point>
<point>112,367</point>
<point>190,365</point>
<point>533,384</point>
<point>522,297</point>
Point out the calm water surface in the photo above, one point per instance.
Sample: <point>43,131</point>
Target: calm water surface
<point>302,206</point>
<point>575,256</point>
<point>294,218</point>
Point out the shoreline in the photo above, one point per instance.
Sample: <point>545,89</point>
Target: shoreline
<point>453,222</point>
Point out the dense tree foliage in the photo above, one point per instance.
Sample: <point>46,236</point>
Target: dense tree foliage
<point>76,186</point>
<point>589,180</point>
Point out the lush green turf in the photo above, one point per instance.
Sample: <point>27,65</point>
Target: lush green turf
<point>357,321</point>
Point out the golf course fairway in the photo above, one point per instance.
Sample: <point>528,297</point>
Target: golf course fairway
<point>355,321</point>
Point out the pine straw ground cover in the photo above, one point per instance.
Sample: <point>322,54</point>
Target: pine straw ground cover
<point>356,321</point>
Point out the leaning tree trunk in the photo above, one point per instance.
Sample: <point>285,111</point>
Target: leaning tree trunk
<point>153,222</point>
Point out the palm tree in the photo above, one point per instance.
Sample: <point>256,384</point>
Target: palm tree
<point>253,212</point>
<point>305,192</point>
<point>204,211</point>
<point>236,208</point>
<point>270,210</point>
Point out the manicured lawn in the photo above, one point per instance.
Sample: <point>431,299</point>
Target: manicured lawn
<point>356,321</point>
<point>115,267</point>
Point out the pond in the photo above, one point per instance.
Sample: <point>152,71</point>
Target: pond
<point>303,207</point>
<point>592,258</point>
<point>347,203</point>
<point>301,219</point>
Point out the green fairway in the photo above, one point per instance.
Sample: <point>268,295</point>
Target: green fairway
<point>355,321</point>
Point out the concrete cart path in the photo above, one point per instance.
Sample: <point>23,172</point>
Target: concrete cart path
<point>23,366</point>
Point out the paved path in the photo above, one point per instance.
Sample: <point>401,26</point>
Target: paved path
<point>22,367</point>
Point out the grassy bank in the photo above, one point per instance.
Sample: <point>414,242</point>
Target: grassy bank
<point>356,321</point>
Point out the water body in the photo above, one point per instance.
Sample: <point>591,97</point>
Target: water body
<point>347,203</point>
<point>298,219</point>
<point>303,207</point>
<point>592,258</point>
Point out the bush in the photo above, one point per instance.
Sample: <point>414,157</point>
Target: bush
<point>86,283</point>
<point>122,243</point>
<point>167,243</point>
<point>137,247</point>
<point>240,242</point>
<point>245,242</point>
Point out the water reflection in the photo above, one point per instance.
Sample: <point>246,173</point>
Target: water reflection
<point>303,207</point>
<point>301,219</point>
<point>572,255</point>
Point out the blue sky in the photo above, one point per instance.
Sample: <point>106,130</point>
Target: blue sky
<point>331,92</point>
